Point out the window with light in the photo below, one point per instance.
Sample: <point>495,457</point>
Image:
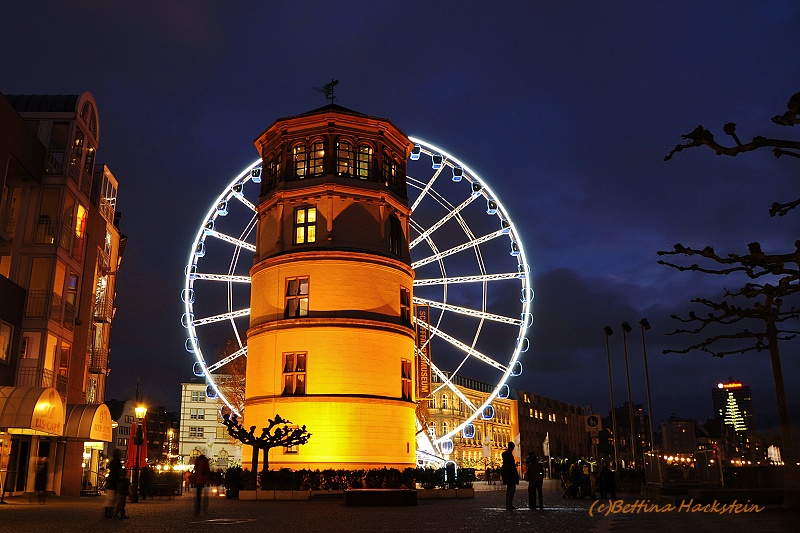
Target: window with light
<point>296,298</point>
<point>294,374</point>
<point>305,225</point>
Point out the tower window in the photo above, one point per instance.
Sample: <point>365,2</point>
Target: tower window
<point>296,298</point>
<point>395,236</point>
<point>405,378</point>
<point>344,158</point>
<point>305,225</point>
<point>405,306</point>
<point>294,374</point>
<point>299,161</point>
<point>364,162</point>
<point>389,171</point>
<point>315,158</point>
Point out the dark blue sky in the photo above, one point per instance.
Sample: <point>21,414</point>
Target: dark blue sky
<point>566,109</point>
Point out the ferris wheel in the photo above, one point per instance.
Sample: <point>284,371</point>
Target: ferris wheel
<point>471,273</point>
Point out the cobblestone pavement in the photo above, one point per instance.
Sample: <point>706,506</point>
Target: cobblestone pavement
<point>484,513</point>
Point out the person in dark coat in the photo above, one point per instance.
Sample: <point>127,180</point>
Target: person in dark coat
<point>607,482</point>
<point>510,475</point>
<point>535,472</point>
<point>202,477</point>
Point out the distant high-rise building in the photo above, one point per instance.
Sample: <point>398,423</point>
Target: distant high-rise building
<point>733,406</point>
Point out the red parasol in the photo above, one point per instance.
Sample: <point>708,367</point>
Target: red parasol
<point>130,463</point>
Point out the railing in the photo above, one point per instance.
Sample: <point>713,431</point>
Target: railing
<point>45,231</point>
<point>103,261</point>
<point>103,308</point>
<point>61,386</point>
<point>54,164</point>
<point>56,303</point>
<point>36,304</point>
<point>69,315</point>
<point>86,184</point>
<point>7,222</point>
<point>28,375</point>
<point>98,360</point>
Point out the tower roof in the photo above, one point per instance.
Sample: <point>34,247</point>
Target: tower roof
<point>44,103</point>
<point>332,108</point>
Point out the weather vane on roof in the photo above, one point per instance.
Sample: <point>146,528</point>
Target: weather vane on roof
<point>327,90</point>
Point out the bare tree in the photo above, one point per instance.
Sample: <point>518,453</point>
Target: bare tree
<point>232,382</point>
<point>279,432</point>
<point>757,311</point>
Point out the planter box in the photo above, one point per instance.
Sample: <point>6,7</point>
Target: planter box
<point>379,497</point>
<point>427,494</point>
<point>326,494</point>
<point>247,494</point>
<point>449,494</point>
<point>465,493</point>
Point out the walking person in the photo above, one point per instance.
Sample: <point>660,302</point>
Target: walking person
<point>202,477</point>
<point>535,472</point>
<point>510,475</point>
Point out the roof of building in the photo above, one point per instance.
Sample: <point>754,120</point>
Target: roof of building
<point>44,103</point>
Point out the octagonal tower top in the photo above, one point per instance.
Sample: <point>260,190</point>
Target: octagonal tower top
<point>333,143</point>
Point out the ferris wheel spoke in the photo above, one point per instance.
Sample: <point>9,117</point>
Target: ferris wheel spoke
<point>222,362</point>
<point>468,312</point>
<point>465,279</point>
<point>233,240</point>
<point>250,205</point>
<point>428,186</point>
<point>446,382</point>
<point>222,277</point>
<point>439,223</point>
<point>469,350</point>
<point>221,317</point>
<point>467,245</point>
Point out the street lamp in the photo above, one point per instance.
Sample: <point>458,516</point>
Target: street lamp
<point>138,440</point>
<point>608,331</point>
<point>645,325</point>
<point>626,328</point>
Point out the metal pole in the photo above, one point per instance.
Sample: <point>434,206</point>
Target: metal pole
<point>608,331</point>
<point>626,328</point>
<point>645,326</point>
<point>135,488</point>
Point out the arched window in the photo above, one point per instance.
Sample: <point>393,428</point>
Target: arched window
<point>344,158</point>
<point>445,428</point>
<point>432,403</point>
<point>389,171</point>
<point>444,401</point>
<point>315,158</point>
<point>364,162</point>
<point>299,163</point>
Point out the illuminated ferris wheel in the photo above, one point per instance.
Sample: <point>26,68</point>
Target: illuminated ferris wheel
<point>471,277</point>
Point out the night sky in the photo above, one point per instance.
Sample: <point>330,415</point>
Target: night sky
<point>566,109</point>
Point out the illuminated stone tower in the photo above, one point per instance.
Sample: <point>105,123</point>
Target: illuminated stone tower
<point>331,340</point>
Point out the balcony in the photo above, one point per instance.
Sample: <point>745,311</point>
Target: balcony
<point>36,304</point>
<point>103,308</point>
<point>98,360</point>
<point>54,163</point>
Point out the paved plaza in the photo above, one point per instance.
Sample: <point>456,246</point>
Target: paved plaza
<point>485,513</point>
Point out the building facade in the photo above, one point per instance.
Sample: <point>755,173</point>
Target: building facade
<point>60,250</point>
<point>561,423</point>
<point>480,445</point>
<point>331,338</point>
<point>201,429</point>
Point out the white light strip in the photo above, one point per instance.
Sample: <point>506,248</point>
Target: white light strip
<point>232,240</point>
<point>441,221</point>
<point>469,244</point>
<point>220,318</point>
<point>468,312</point>
<point>464,279</point>
<point>223,277</point>
<point>464,347</point>
<point>250,205</point>
<point>226,360</point>
<point>428,186</point>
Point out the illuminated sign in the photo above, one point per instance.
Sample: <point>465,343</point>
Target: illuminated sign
<point>423,356</point>
<point>732,385</point>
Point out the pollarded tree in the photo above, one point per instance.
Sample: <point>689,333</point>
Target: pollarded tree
<point>279,433</point>
<point>757,316</point>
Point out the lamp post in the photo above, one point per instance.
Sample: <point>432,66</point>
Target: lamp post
<point>626,328</point>
<point>138,440</point>
<point>608,331</point>
<point>645,325</point>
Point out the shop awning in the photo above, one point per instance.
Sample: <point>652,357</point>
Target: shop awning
<point>88,422</point>
<point>31,410</point>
